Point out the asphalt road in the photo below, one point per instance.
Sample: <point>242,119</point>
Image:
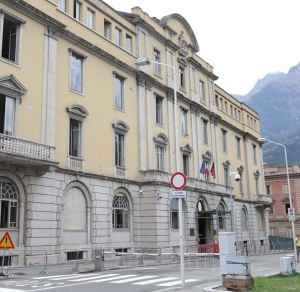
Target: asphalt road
<point>142,279</point>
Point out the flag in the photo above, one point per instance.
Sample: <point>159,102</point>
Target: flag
<point>213,171</point>
<point>203,167</point>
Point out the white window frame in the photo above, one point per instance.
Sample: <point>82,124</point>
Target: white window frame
<point>238,147</point>
<point>15,50</point>
<point>118,37</point>
<point>77,13</point>
<point>205,131</point>
<point>77,61</point>
<point>9,115</point>
<point>120,212</point>
<point>174,214</point>
<point>119,149</point>
<point>182,77</point>
<point>75,138</point>
<point>202,91</point>
<point>160,155</point>
<point>90,18</point>
<point>62,5</point>
<point>159,118</point>
<point>186,163</point>
<point>254,154</point>
<point>224,140</point>
<point>244,219</point>
<point>119,92</point>
<point>184,122</point>
<point>128,43</point>
<point>107,29</point>
<point>8,204</point>
<point>157,59</point>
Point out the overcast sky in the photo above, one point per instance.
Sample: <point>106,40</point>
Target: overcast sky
<point>242,39</point>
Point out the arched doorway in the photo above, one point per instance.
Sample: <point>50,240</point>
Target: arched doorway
<point>205,223</point>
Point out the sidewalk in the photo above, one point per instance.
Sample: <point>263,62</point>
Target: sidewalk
<point>260,265</point>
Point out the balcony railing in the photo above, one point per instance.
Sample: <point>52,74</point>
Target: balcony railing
<point>19,148</point>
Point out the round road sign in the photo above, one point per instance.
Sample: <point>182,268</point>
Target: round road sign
<point>178,180</point>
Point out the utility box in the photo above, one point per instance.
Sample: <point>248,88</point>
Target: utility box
<point>286,265</point>
<point>99,260</point>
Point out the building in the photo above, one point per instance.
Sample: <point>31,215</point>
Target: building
<point>88,138</point>
<point>277,188</point>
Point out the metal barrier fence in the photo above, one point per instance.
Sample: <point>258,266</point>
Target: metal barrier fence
<point>84,260</point>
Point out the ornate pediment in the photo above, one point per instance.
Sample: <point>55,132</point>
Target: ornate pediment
<point>11,86</point>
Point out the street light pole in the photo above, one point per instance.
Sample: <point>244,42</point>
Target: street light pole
<point>237,176</point>
<point>146,61</point>
<point>263,140</point>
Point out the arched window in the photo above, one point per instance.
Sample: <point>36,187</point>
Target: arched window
<point>8,203</point>
<point>221,216</point>
<point>75,209</point>
<point>120,212</point>
<point>244,219</point>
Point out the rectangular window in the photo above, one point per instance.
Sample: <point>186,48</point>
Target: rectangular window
<point>7,115</point>
<point>174,219</point>
<point>226,106</point>
<point>159,110</point>
<point>241,184</point>
<point>160,157</point>
<point>11,31</point>
<point>202,92</point>
<point>156,57</point>
<point>119,150</point>
<point>184,126</point>
<point>238,147</point>
<point>8,214</point>
<point>224,141</point>
<point>286,206</point>
<point>285,189</point>
<point>77,10</point>
<point>221,104</point>
<point>205,132</point>
<point>75,138</point>
<point>239,115</point>
<point>181,78</point>
<point>128,43</point>
<point>62,5</point>
<point>217,101</point>
<point>76,72</point>
<point>254,154</point>
<point>235,113</point>
<point>269,189</point>
<point>107,29</point>
<point>231,110</point>
<point>90,18</point>
<point>186,164</point>
<point>119,92</point>
<point>226,176</point>
<point>118,36</point>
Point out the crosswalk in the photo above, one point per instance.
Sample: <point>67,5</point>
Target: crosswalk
<point>113,278</point>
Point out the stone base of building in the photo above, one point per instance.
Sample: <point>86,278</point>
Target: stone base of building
<point>238,283</point>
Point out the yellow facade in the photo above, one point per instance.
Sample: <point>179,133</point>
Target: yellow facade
<point>99,126</point>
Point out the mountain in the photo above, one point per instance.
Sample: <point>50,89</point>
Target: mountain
<point>276,98</point>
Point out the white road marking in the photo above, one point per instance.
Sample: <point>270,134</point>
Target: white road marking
<point>169,284</point>
<point>94,277</point>
<point>113,278</point>
<point>155,281</point>
<point>132,280</point>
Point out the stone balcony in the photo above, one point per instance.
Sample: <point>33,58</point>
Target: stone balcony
<point>262,200</point>
<point>26,153</point>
